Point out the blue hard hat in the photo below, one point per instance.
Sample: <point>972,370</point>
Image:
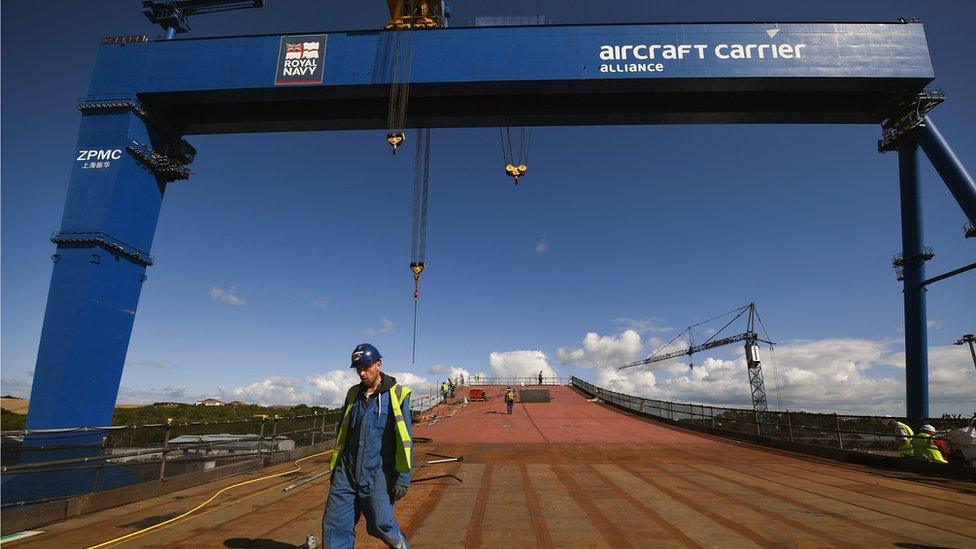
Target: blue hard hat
<point>364,355</point>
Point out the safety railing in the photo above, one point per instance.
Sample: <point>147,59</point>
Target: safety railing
<point>516,381</point>
<point>845,432</point>
<point>43,464</point>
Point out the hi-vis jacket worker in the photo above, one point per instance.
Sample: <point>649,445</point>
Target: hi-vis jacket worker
<point>372,458</point>
<point>904,440</point>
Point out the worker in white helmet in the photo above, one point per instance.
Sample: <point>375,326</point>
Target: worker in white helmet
<point>904,439</point>
<point>925,446</point>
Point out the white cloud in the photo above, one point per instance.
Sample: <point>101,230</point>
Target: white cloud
<point>603,351</point>
<point>228,296</point>
<point>273,390</point>
<point>643,325</point>
<point>934,324</point>
<point>17,387</point>
<point>606,354</point>
<point>131,395</point>
<point>327,389</point>
<point>437,369</point>
<point>520,364</point>
<point>386,327</point>
<point>543,245</point>
<point>175,391</point>
<point>319,302</point>
<point>416,383</point>
<point>155,364</point>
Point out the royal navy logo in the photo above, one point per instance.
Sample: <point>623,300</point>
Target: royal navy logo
<point>301,59</point>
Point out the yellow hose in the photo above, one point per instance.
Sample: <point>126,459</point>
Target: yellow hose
<point>120,539</point>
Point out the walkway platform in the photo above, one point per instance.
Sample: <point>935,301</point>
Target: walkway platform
<point>572,473</point>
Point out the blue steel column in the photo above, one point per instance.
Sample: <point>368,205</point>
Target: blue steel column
<point>916,345</point>
<point>953,173</point>
<point>95,287</point>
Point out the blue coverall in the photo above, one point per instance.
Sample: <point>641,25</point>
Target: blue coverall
<point>365,474</point>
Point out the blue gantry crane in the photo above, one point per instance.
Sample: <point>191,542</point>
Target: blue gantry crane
<point>174,15</point>
<point>135,119</point>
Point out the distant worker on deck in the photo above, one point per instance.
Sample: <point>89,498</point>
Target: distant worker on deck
<point>444,391</point>
<point>540,377</point>
<point>452,386</point>
<point>509,398</point>
<point>925,446</point>
<point>905,435</point>
<point>477,378</point>
<point>371,463</point>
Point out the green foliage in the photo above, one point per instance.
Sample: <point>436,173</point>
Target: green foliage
<point>11,421</point>
<point>188,413</point>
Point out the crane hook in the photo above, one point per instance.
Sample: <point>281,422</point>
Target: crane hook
<point>395,140</point>
<point>515,172</point>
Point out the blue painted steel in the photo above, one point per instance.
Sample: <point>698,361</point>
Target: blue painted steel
<point>835,73</point>
<point>525,54</point>
<point>916,336</point>
<point>94,288</point>
<point>953,173</point>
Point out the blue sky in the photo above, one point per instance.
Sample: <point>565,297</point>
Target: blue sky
<point>269,271</point>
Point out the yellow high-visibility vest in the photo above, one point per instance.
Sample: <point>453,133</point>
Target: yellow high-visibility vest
<point>905,448</point>
<point>926,449</point>
<point>404,447</point>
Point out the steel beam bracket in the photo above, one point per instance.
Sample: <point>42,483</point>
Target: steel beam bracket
<point>899,261</point>
<point>108,242</point>
<point>128,103</point>
<point>171,167</point>
<point>969,229</point>
<point>124,39</point>
<point>112,104</point>
<point>907,116</point>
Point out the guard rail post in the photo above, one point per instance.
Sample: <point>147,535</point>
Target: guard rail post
<point>670,410</point>
<point>162,461</point>
<point>274,434</point>
<point>261,436</point>
<point>315,419</point>
<point>789,424</point>
<point>840,439</point>
<point>755,414</point>
<point>98,471</point>
<point>711,412</point>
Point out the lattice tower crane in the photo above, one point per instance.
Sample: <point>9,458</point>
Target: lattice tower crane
<point>753,364</point>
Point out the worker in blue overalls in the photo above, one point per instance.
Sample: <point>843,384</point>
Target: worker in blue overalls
<point>371,461</point>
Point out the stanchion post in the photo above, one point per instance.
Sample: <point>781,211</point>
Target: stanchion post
<point>274,434</point>
<point>162,461</point>
<point>315,419</point>
<point>840,439</point>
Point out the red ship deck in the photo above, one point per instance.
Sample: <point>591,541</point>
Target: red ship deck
<point>572,473</point>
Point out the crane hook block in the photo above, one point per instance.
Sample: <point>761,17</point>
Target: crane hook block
<point>416,268</point>
<point>395,140</point>
<point>515,172</point>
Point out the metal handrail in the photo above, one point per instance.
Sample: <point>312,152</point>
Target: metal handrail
<point>668,410</point>
<point>25,432</point>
